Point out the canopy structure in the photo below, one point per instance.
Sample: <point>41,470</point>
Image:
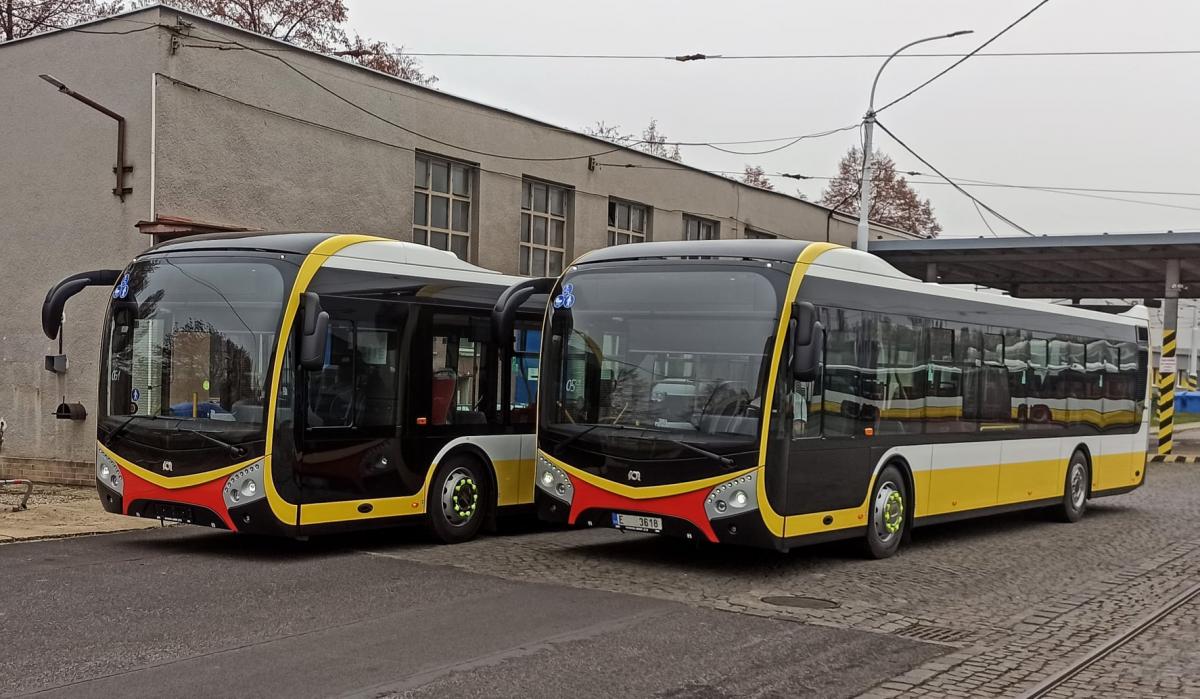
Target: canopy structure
<point>1072,267</point>
<point>1118,266</point>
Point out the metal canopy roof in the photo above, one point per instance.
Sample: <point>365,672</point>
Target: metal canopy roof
<point>1074,266</point>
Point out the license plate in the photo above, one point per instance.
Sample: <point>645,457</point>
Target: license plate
<point>637,523</point>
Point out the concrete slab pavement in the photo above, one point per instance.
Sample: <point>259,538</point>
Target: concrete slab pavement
<point>57,511</point>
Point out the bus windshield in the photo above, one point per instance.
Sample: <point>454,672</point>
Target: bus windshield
<point>188,349</point>
<point>674,349</point>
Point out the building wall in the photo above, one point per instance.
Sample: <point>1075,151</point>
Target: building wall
<point>234,163</point>
<point>249,149</point>
<point>58,216</point>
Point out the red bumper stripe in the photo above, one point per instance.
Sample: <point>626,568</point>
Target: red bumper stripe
<point>206,495</point>
<point>685,506</point>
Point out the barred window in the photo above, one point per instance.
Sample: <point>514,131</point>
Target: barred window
<point>696,228</point>
<point>442,204</point>
<point>543,228</point>
<point>627,222</point>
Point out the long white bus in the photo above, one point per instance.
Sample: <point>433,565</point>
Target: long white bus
<point>777,393</point>
<point>305,383</point>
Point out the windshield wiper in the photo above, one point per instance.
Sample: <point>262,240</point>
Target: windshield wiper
<point>121,427</point>
<point>725,460</point>
<point>558,449</point>
<point>234,450</point>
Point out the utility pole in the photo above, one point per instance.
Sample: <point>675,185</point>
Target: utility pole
<point>864,204</point>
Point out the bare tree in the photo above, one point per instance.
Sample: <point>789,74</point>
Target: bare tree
<point>318,25</point>
<point>651,141</point>
<point>21,18</point>
<point>894,203</point>
<point>754,176</point>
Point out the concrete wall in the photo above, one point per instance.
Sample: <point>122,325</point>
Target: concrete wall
<point>221,161</point>
<point>58,216</point>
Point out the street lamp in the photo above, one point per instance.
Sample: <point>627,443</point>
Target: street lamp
<point>121,169</point>
<point>864,205</point>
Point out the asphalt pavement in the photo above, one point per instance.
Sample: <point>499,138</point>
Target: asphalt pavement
<point>187,612</point>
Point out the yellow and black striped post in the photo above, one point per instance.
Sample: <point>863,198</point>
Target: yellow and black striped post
<point>1166,392</point>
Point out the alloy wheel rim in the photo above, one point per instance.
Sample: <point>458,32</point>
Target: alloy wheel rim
<point>888,514</point>
<point>460,497</point>
<point>1078,488</point>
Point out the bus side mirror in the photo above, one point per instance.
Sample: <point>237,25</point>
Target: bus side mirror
<point>808,340</point>
<point>313,332</point>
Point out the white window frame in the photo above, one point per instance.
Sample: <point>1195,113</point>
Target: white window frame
<point>628,230</point>
<point>706,228</point>
<point>460,204</point>
<point>552,220</point>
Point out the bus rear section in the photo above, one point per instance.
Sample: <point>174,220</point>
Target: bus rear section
<point>779,394</point>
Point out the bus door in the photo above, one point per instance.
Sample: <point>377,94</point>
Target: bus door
<point>350,445</point>
<point>829,462</point>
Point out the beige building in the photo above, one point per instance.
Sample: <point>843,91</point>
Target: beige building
<point>225,130</point>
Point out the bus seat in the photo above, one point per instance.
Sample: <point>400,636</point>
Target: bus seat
<point>444,383</point>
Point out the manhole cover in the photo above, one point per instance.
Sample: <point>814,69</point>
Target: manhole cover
<point>800,602</point>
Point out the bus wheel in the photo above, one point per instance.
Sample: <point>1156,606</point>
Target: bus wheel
<point>1075,490</point>
<point>889,504</point>
<point>458,500</point>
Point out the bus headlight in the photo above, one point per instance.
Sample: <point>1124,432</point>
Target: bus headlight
<point>733,497</point>
<point>554,481</point>
<point>245,486</point>
<point>108,473</point>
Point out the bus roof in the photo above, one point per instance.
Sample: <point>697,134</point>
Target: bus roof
<point>377,254</point>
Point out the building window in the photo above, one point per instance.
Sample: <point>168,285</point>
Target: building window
<point>752,234</point>
<point>543,228</point>
<point>695,228</point>
<point>442,204</point>
<point>626,222</point>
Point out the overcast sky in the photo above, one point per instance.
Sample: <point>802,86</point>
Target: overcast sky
<point>1104,122</point>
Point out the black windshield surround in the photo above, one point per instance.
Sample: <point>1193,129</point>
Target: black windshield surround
<point>187,358</point>
<point>647,361</point>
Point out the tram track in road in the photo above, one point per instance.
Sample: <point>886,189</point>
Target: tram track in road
<point>1059,679</point>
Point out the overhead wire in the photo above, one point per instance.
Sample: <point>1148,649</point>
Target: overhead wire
<point>800,56</point>
<point>960,61</point>
<point>965,193</point>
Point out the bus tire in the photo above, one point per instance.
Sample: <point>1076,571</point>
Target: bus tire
<point>1075,489</point>
<point>459,497</point>
<point>887,508</point>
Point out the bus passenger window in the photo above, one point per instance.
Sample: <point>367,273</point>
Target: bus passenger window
<point>458,391</point>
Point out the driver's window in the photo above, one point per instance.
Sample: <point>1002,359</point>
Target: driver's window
<point>331,390</point>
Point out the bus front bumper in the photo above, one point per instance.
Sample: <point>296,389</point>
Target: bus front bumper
<point>689,515</point>
<point>202,505</point>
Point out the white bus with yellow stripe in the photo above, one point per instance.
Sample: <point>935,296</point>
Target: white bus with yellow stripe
<point>818,393</point>
<point>305,383</point>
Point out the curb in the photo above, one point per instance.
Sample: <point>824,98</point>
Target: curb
<point>1171,459</point>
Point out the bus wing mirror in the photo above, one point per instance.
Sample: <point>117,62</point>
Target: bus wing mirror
<point>505,310</point>
<point>56,298</point>
<point>313,332</point>
<point>808,340</point>
<point>806,358</point>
